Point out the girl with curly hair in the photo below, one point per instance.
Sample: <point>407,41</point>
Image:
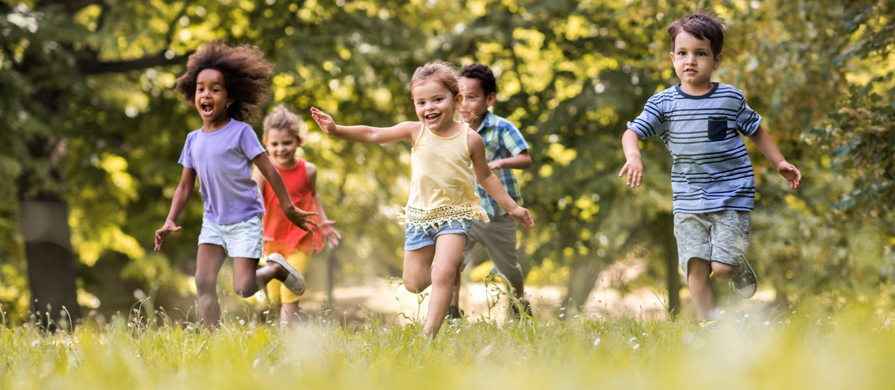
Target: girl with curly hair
<point>225,84</point>
<point>447,158</point>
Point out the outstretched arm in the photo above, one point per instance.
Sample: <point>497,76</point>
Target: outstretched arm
<point>491,183</point>
<point>326,226</point>
<point>178,203</point>
<point>766,145</point>
<point>634,166</point>
<point>365,134</point>
<point>295,215</point>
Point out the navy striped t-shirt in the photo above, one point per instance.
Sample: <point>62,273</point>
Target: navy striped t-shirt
<point>711,170</point>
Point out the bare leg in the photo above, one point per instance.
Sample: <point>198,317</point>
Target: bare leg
<point>723,271</point>
<point>209,260</point>
<point>701,293</point>
<point>445,272</point>
<point>291,313</point>
<point>248,278</point>
<point>418,268</point>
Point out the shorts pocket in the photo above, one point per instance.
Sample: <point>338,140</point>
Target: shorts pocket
<point>717,128</point>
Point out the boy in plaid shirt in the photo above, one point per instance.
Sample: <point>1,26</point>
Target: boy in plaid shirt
<point>505,149</point>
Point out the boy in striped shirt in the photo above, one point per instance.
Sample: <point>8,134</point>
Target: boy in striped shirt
<point>712,180</point>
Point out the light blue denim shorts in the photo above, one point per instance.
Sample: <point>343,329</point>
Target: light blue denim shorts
<point>240,239</point>
<point>416,238</point>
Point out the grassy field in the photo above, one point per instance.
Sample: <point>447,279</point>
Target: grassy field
<point>853,349</point>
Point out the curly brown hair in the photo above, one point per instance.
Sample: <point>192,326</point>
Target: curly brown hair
<point>245,76</point>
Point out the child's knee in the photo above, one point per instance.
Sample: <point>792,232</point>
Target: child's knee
<point>724,271</point>
<point>415,286</point>
<point>206,284</point>
<point>444,277</point>
<point>245,288</point>
<point>698,268</point>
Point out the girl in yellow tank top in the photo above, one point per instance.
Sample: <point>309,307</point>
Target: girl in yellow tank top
<point>446,157</point>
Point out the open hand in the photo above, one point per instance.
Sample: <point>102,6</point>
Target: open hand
<point>521,215</point>
<point>162,234</point>
<point>330,235</point>
<point>790,173</point>
<point>324,120</point>
<point>300,218</point>
<point>634,169</point>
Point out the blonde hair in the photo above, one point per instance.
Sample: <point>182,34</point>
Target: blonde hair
<point>283,119</point>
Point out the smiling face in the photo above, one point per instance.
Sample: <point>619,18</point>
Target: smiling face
<point>435,105</point>
<point>281,146</point>
<point>694,62</point>
<point>211,98</point>
<point>476,103</point>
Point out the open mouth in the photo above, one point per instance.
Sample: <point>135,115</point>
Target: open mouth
<point>206,108</point>
<point>432,117</point>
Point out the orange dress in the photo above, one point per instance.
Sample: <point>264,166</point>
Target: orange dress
<point>287,237</point>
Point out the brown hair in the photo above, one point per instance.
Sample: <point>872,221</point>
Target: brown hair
<point>283,119</point>
<point>442,73</point>
<point>245,76</point>
<point>701,25</point>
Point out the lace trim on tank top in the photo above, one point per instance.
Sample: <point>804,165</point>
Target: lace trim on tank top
<point>419,218</point>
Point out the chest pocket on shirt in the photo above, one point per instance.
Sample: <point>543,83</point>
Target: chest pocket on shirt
<point>717,128</point>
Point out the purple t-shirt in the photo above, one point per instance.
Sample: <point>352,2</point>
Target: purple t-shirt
<point>223,162</point>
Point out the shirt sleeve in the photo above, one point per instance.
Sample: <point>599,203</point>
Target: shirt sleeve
<point>512,138</point>
<point>249,144</point>
<point>651,121</point>
<point>747,120</point>
<point>185,158</point>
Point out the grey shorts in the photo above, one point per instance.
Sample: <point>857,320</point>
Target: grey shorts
<point>721,236</point>
<point>240,239</point>
<point>499,239</point>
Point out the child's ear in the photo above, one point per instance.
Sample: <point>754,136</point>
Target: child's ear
<point>718,59</point>
<point>490,99</point>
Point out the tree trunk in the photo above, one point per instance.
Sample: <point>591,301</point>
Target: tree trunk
<point>51,265</point>
<point>583,278</point>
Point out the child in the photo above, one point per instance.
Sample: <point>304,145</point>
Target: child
<point>225,83</point>
<point>446,157</point>
<point>712,180</point>
<point>283,135</point>
<point>505,149</point>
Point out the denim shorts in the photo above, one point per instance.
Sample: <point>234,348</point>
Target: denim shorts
<point>416,238</point>
<point>240,239</point>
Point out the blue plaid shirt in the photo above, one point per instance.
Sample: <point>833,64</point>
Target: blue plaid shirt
<point>502,140</point>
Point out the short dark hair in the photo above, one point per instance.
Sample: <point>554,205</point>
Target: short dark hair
<point>701,25</point>
<point>245,76</point>
<point>483,74</point>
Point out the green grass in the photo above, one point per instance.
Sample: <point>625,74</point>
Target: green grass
<point>846,350</point>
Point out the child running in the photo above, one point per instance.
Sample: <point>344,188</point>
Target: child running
<point>712,179</point>
<point>505,149</point>
<point>283,135</point>
<point>447,157</point>
<point>225,84</point>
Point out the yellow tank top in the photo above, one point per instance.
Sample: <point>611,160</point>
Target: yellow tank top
<point>442,182</point>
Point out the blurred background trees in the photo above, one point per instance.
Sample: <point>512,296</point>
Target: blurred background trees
<point>91,131</point>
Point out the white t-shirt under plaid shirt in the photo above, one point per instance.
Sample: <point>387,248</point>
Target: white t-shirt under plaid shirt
<point>502,140</point>
<point>711,170</point>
